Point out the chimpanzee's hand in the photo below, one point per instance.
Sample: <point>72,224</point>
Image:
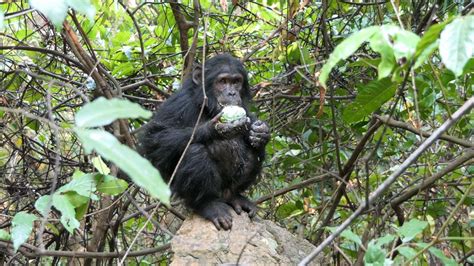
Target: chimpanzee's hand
<point>233,128</point>
<point>259,134</point>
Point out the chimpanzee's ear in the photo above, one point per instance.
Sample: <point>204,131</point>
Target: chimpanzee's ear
<point>197,73</point>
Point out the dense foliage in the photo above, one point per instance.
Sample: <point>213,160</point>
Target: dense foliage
<point>354,92</point>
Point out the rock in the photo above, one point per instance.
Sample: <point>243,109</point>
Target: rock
<point>250,242</point>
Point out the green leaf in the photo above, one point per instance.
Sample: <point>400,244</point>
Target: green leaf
<point>42,203</point>
<point>285,210</point>
<point>102,112</point>
<point>393,43</point>
<point>351,236</point>
<point>84,185</point>
<point>385,240</point>
<point>4,235</point>
<point>379,44</point>
<point>407,252</point>
<point>403,42</point>
<point>344,50</point>
<point>75,199</point>
<point>456,43</point>
<point>82,210</point>
<point>137,168</point>
<point>68,214</point>
<point>428,43</point>
<point>100,165</point>
<point>410,229</point>
<point>111,185</point>
<point>425,54</point>
<point>54,10</point>
<point>369,98</point>
<point>431,36</point>
<point>440,255</point>
<point>293,53</point>
<point>77,173</point>
<point>53,229</point>
<point>22,225</point>
<point>374,255</point>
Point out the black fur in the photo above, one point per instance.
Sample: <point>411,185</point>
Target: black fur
<point>217,168</point>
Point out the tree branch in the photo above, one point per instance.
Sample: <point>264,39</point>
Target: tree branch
<point>79,254</point>
<point>426,183</point>
<point>394,123</point>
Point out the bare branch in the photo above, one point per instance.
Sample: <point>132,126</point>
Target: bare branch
<point>80,254</point>
<point>394,123</point>
<point>427,182</point>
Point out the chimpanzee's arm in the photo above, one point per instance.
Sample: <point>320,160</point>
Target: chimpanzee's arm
<point>169,142</point>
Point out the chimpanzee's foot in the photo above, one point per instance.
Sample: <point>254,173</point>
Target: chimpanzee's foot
<point>240,203</point>
<point>218,213</point>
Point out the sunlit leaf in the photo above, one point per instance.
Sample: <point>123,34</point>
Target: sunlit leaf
<point>42,204</point>
<point>285,210</point>
<point>101,112</point>
<point>439,254</point>
<point>384,240</point>
<point>75,199</point>
<point>82,210</point>
<point>100,165</point>
<point>77,173</point>
<point>4,235</point>
<point>137,168</point>
<point>410,229</point>
<point>393,44</point>
<point>425,54</point>
<point>22,225</point>
<point>403,42</point>
<point>374,254</point>
<point>407,252</point>
<point>456,43</point>
<point>428,43</point>
<point>84,185</point>
<point>348,234</point>
<point>379,44</point>
<point>68,214</point>
<point>111,185</point>
<point>443,258</point>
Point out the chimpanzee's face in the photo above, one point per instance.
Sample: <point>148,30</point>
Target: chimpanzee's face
<point>228,89</point>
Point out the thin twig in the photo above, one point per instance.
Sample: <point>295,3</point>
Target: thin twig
<point>79,254</point>
<point>394,123</point>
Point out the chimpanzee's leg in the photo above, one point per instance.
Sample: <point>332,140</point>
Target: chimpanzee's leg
<point>198,182</point>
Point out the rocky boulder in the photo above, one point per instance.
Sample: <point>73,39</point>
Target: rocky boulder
<point>250,242</point>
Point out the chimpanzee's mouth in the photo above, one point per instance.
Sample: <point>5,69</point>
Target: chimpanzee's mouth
<point>222,105</point>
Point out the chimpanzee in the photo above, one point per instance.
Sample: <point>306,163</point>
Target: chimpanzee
<point>224,158</point>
